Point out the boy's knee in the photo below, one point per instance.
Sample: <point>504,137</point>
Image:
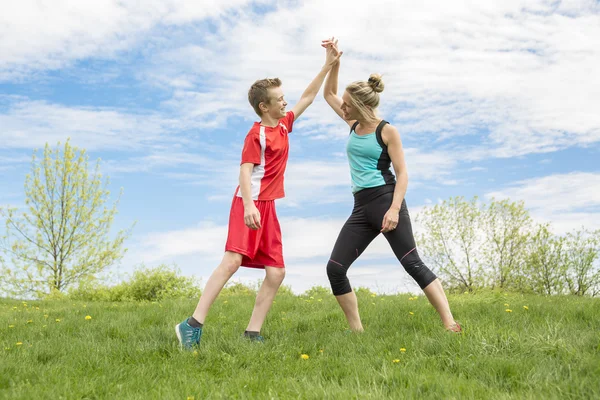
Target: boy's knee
<point>231,262</point>
<point>276,275</point>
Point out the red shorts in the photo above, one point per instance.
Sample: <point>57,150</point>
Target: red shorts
<point>261,247</point>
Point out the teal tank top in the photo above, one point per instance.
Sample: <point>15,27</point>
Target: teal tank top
<point>369,160</point>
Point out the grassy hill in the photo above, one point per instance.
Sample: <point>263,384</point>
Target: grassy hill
<point>544,347</point>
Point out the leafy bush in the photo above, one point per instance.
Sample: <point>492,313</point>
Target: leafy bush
<point>233,288</point>
<point>160,283</point>
<point>362,291</point>
<point>320,291</point>
<point>146,284</point>
<point>285,290</point>
<point>94,291</point>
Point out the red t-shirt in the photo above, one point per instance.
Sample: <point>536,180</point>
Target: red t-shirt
<point>267,148</point>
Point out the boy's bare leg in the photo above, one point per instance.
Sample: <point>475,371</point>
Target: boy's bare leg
<point>265,296</point>
<point>229,265</point>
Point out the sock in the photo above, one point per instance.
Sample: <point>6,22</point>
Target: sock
<point>251,334</point>
<point>193,323</point>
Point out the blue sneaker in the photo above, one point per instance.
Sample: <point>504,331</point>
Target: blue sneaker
<point>188,336</point>
<point>258,339</point>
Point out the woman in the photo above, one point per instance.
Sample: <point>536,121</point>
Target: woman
<point>379,205</point>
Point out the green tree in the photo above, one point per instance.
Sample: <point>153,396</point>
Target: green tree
<point>62,236</point>
<point>451,241</point>
<point>506,226</point>
<point>583,272</point>
<point>545,263</point>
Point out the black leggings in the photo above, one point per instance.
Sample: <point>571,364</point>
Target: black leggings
<point>370,206</point>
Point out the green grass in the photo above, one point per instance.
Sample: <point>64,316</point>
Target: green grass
<point>129,350</point>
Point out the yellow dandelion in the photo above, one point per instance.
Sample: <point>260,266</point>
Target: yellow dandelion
<point>403,350</point>
<point>195,353</point>
<point>190,398</point>
<point>304,356</point>
<point>508,310</point>
<point>525,307</point>
<point>29,321</point>
<point>88,317</point>
<point>411,313</point>
<point>19,343</point>
<point>37,308</point>
<point>57,319</point>
<point>15,307</point>
<point>11,326</point>
<point>225,302</point>
<point>410,299</point>
<point>321,351</point>
<point>506,305</point>
<point>396,361</point>
<point>466,292</point>
<point>45,315</point>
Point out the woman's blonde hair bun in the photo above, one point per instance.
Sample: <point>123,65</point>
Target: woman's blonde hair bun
<point>376,83</point>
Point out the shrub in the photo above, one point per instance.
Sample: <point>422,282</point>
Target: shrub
<point>234,288</point>
<point>320,291</point>
<point>362,291</point>
<point>146,284</point>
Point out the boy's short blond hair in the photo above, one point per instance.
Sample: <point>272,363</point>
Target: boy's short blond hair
<point>259,92</point>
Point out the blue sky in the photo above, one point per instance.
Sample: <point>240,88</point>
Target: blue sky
<point>490,99</point>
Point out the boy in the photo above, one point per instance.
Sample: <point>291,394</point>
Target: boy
<point>254,237</point>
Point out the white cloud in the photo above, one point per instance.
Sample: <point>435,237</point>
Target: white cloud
<point>32,124</point>
<point>14,159</point>
<point>561,192</point>
<point>204,240</point>
<point>160,162</point>
<point>569,201</point>
<point>40,35</point>
<point>11,162</point>
<point>521,74</point>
